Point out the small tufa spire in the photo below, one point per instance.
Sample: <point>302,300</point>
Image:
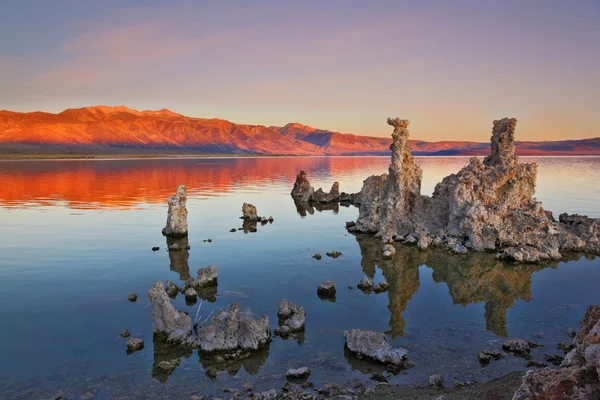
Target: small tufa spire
<point>503,142</point>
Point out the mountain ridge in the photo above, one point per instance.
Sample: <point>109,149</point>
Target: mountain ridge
<point>108,129</point>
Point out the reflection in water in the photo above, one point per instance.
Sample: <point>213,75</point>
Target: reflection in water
<point>473,278</point>
<point>93,184</point>
<point>215,363</point>
<point>179,258</point>
<point>304,207</point>
<point>167,357</point>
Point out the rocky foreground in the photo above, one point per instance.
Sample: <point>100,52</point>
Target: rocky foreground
<point>486,206</point>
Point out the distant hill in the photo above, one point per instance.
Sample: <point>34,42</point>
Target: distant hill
<point>114,130</point>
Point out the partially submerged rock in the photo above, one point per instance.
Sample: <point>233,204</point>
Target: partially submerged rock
<point>165,318</point>
<point>436,382</point>
<point>373,346</point>
<point>291,315</point>
<point>317,256</point>
<point>177,225</point>
<point>249,212</point>
<point>334,254</point>
<point>232,331</point>
<point>487,206</point>
<point>125,333</point>
<point>304,193</point>
<point>381,287</point>
<point>517,346</point>
<point>366,284</point>
<point>132,297</point>
<point>172,289</point>
<point>298,373</point>
<point>206,277</point>
<point>326,289</point>
<point>488,355</point>
<point>579,374</point>
<point>134,344</point>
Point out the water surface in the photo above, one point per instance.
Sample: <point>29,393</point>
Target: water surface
<point>76,239</point>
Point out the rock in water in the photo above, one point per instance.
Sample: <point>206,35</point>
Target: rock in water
<point>366,284</point>
<point>298,373</point>
<point>304,193</point>
<point>165,319</point>
<point>326,289</point>
<point>291,315</point>
<point>517,346</point>
<point>373,346</point>
<point>302,190</point>
<point>177,225</point>
<point>436,382</point>
<point>249,212</point>
<point>487,205</point>
<point>233,331</point>
<point>579,374</point>
<point>206,277</point>
<point>134,344</point>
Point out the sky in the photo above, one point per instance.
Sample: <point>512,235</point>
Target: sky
<point>451,67</point>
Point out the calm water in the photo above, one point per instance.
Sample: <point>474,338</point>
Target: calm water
<point>76,239</point>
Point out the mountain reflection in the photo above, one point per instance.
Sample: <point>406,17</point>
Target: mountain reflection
<point>473,278</point>
<point>126,184</point>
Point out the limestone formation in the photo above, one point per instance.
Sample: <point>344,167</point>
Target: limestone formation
<point>233,331</point>
<point>177,225</point>
<point>134,344</point>
<point>579,374</point>
<point>165,319</point>
<point>373,346</point>
<point>487,206</point>
<point>304,193</point>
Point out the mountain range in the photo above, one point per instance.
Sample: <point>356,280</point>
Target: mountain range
<point>114,130</point>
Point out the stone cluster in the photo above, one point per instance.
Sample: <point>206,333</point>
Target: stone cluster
<point>303,192</point>
<point>487,206</point>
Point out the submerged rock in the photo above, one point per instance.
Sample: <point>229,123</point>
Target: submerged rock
<point>165,319</point>
<point>134,344</point>
<point>373,346</point>
<point>233,331</point>
<point>125,333</point>
<point>487,205</point>
<point>298,373</point>
<point>177,224</point>
<point>249,212</point>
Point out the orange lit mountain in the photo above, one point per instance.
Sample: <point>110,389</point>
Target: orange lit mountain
<point>103,129</point>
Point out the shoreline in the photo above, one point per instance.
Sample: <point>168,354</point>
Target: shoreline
<point>158,156</point>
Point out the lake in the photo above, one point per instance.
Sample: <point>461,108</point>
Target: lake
<point>76,239</point>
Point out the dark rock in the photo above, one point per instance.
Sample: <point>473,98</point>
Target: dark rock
<point>381,287</point>
<point>571,332</point>
<point>155,248</point>
<point>436,382</point>
<point>125,333</point>
<point>378,377</point>
<point>535,364</point>
<point>517,346</point>
<point>554,359</point>
<point>298,373</point>
<point>334,254</point>
<point>365,284</point>
<point>326,289</point>
<point>350,224</point>
<point>134,344</point>
<point>566,346</point>
<point>249,212</point>
<point>317,256</point>
<point>132,297</point>
<point>291,315</point>
<point>487,355</point>
<point>172,289</point>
